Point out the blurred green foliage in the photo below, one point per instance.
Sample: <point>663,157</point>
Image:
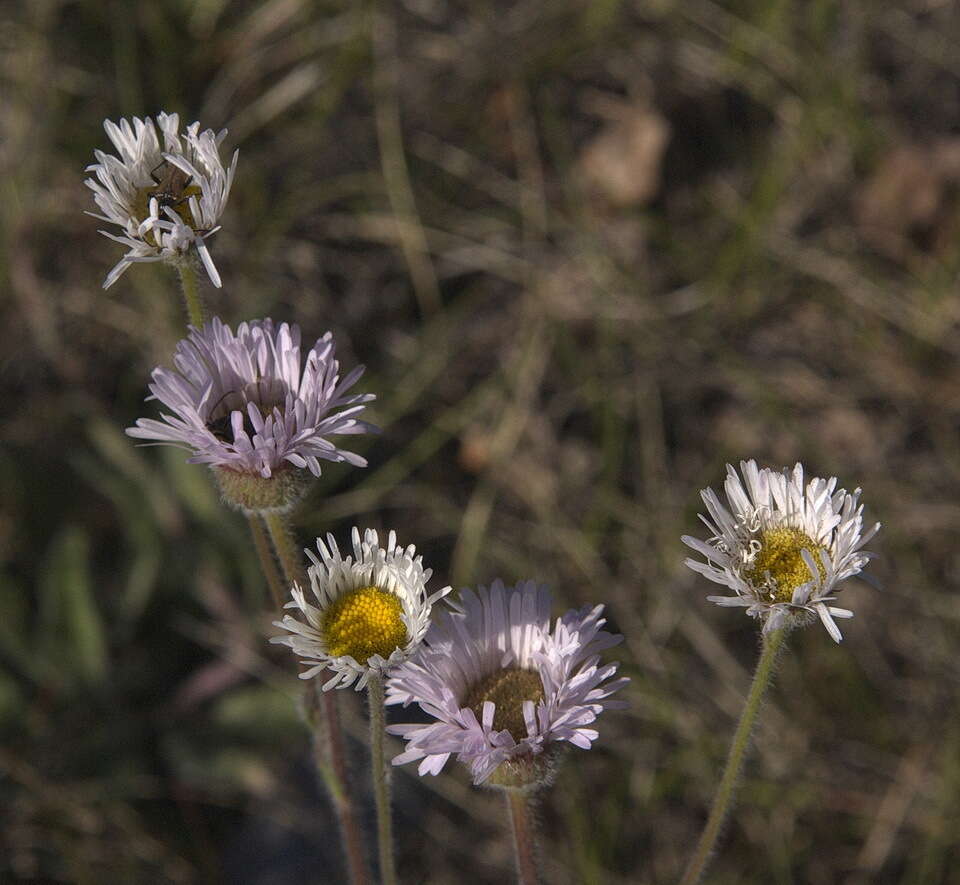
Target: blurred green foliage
<point>589,253</point>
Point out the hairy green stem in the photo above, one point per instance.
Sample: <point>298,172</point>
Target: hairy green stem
<point>332,764</point>
<point>287,549</point>
<point>329,746</point>
<point>524,836</point>
<point>267,562</point>
<point>723,801</point>
<point>191,293</point>
<point>381,781</point>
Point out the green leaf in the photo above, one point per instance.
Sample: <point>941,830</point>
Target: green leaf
<point>69,615</point>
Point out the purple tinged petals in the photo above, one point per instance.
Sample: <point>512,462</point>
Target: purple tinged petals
<point>488,630</point>
<point>238,401</point>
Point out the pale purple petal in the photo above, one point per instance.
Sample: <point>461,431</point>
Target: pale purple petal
<point>251,382</point>
<point>490,629</point>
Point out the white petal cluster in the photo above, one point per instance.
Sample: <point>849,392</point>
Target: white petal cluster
<point>495,629</point>
<point>392,568</point>
<point>155,232</point>
<point>241,401</point>
<point>766,499</point>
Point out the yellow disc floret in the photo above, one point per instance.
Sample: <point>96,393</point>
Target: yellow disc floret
<point>508,688</point>
<point>778,568</point>
<point>363,623</point>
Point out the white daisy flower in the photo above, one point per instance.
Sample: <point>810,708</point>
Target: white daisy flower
<point>783,546</point>
<point>165,192</point>
<point>242,404</point>
<point>372,610</point>
<point>503,687</point>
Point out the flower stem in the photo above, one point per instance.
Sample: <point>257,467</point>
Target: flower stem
<point>723,801</point>
<point>288,551</point>
<point>329,747</point>
<point>381,781</point>
<point>267,562</point>
<point>191,293</point>
<point>331,756</point>
<point>524,837</point>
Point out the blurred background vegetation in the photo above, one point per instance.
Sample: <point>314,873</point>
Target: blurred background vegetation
<point>589,252</point>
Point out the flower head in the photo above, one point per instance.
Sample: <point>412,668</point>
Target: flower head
<point>372,609</point>
<point>503,687</point>
<point>783,545</point>
<point>165,192</point>
<point>241,402</point>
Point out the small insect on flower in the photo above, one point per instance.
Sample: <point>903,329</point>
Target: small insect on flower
<point>783,546</point>
<point>244,404</point>
<point>173,190</point>
<point>372,609</point>
<point>505,691</point>
<point>165,192</point>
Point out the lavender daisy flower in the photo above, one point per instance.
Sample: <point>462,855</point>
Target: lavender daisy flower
<point>372,610</point>
<point>165,192</point>
<point>241,404</point>
<point>505,689</point>
<point>783,546</point>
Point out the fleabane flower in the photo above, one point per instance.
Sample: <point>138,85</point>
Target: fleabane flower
<point>370,610</point>
<point>782,545</point>
<point>505,689</point>
<point>242,404</point>
<point>166,190</point>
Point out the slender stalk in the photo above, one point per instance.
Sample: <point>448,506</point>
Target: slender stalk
<point>524,837</point>
<point>267,562</point>
<point>330,757</point>
<point>329,748</point>
<point>723,801</point>
<point>381,782</point>
<point>191,293</point>
<point>288,551</point>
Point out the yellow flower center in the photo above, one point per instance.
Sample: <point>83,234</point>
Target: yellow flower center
<point>508,689</point>
<point>778,568</point>
<point>363,623</point>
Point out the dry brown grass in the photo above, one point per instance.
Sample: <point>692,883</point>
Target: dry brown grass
<point>561,366</point>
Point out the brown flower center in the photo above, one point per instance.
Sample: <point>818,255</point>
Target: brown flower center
<point>508,688</point>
